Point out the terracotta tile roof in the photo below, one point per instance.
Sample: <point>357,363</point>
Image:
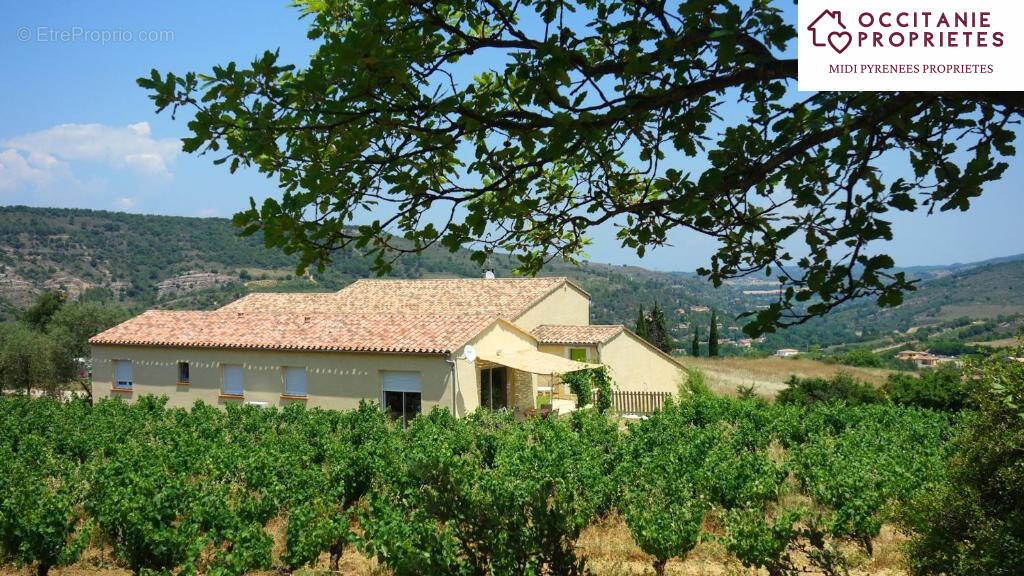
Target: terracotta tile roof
<point>592,334</point>
<point>285,303</point>
<point>504,297</point>
<point>412,316</point>
<point>323,331</point>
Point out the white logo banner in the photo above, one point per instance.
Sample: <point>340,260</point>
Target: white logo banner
<point>868,45</point>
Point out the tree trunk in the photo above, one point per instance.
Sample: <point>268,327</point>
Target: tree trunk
<point>87,388</point>
<point>42,569</point>
<point>659,566</point>
<point>868,546</point>
<point>336,549</point>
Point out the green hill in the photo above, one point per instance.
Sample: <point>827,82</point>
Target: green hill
<point>176,262</point>
<point>145,261</point>
<point>958,303</point>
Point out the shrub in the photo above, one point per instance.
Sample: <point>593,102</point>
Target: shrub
<point>746,391</point>
<point>972,523</point>
<point>842,386</point>
<point>603,389</point>
<point>590,386</point>
<point>951,348</point>
<point>694,384</point>
<point>580,384</point>
<point>39,518</point>
<point>939,389</point>
<point>862,358</point>
<point>488,495</point>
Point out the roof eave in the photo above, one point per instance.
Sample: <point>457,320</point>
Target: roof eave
<point>272,348</point>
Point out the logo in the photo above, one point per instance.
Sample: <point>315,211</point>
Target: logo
<point>824,26</point>
<point>870,45</point>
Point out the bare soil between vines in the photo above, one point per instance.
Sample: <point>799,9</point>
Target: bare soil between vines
<point>608,546</point>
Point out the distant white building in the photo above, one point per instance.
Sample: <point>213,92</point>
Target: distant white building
<point>787,352</point>
<point>924,359</point>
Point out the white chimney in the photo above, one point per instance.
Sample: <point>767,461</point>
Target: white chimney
<point>489,274</point>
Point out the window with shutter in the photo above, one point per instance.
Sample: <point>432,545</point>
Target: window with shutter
<point>295,381</point>
<point>234,384</point>
<point>401,394</point>
<point>123,374</point>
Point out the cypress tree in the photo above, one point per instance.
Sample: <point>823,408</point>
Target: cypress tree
<point>713,335</point>
<point>641,325</point>
<point>659,332</point>
<point>695,345</point>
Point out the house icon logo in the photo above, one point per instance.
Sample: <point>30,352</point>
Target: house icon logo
<point>828,30</point>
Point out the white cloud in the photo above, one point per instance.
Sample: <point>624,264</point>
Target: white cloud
<point>130,147</point>
<point>34,170</point>
<point>92,165</point>
<point>125,204</point>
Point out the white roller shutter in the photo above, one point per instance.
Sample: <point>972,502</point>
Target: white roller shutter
<point>401,381</point>
<point>294,381</point>
<point>123,373</point>
<point>233,380</point>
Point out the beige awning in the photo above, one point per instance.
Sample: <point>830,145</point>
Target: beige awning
<point>536,362</point>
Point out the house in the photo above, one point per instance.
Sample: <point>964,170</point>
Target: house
<point>787,352</point>
<point>412,345</point>
<point>634,364</point>
<point>923,359</point>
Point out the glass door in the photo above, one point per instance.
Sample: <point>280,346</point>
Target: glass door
<point>494,387</point>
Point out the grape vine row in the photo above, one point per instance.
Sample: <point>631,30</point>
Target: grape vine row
<point>193,491</point>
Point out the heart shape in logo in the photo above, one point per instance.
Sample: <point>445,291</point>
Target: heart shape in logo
<point>840,41</point>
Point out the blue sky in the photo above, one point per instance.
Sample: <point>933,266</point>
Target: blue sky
<point>75,130</point>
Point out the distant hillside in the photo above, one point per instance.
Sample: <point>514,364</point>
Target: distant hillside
<point>177,262</point>
<point>944,270</point>
<point>987,291</point>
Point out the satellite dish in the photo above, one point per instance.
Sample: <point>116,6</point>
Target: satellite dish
<point>470,353</point>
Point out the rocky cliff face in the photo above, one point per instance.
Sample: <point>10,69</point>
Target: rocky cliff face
<point>16,289</point>
<point>191,282</point>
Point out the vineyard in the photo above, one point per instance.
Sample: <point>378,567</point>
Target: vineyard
<point>170,490</point>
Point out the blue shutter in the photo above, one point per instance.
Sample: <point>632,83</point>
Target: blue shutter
<point>294,381</point>
<point>233,380</point>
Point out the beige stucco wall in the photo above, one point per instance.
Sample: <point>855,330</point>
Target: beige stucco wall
<point>636,367</point>
<point>500,336</point>
<point>334,380</point>
<point>566,305</point>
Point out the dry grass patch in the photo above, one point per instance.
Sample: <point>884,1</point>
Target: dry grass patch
<point>1003,343</point>
<point>769,375</point>
<point>611,551</point>
<point>607,545</point>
